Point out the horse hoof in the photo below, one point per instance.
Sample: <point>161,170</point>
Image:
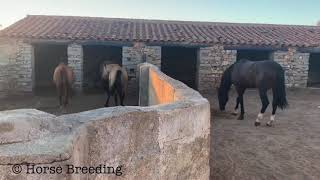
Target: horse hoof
<point>269,124</point>
<point>234,114</point>
<point>257,123</point>
<point>240,118</point>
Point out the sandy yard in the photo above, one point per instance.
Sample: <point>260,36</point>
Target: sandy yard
<point>288,151</point>
<point>240,151</point>
<point>48,101</point>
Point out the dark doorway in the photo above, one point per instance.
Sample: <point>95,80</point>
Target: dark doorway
<point>180,63</point>
<point>93,56</point>
<point>254,55</point>
<point>314,70</point>
<point>47,57</point>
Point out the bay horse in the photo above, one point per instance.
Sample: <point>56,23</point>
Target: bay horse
<point>263,75</point>
<point>115,82</point>
<point>63,78</point>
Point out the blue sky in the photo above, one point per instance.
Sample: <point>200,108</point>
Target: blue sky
<point>247,11</point>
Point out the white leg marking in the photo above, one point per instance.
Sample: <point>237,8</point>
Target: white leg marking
<point>235,111</point>
<point>272,117</point>
<point>260,116</point>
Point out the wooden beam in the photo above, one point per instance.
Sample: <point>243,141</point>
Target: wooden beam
<point>257,48</point>
<point>309,50</point>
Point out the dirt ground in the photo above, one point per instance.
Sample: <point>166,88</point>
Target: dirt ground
<point>288,151</point>
<point>240,151</point>
<point>48,101</point>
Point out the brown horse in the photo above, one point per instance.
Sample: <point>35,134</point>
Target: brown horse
<point>115,80</point>
<point>63,78</point>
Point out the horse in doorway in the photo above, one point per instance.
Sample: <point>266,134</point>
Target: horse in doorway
<point>115,82</point>
<point>263,75</point>
<point>63,78</point>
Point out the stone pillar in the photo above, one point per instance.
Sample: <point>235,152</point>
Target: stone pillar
<point>16,67</point>
<point>75,61</point>
<point>132,56</point>
<point>212,63</point>
<point>296,66</point>
<point>25,65</point>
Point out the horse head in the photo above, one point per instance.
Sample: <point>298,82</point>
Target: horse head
<point>223,98</point>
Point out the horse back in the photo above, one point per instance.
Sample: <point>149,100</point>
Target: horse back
<point>243,74</point>
<point>63,75</point>
<point>253,74</point>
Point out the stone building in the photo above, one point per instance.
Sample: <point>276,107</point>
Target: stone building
<point>195,53</point>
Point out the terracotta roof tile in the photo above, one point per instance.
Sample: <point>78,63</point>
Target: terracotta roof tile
<point>104,29</point>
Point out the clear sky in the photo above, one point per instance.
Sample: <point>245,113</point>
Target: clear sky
<point>247,11</point>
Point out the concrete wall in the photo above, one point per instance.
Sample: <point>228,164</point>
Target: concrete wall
<point>168,140</point>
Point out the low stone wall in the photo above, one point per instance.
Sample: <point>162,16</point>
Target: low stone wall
<point>167,140</point>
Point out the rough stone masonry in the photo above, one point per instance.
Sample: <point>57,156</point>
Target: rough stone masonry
<point>16,66</point>
<point>75,61</point>
<point>296,66</point>
<point>213,61</point>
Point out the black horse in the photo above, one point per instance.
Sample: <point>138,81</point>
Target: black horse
<point>263,75</point>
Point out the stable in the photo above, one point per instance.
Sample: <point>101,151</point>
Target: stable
<point>195,53</point>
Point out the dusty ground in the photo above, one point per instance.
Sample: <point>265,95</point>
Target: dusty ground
<point>288,151</point>
<point>47,101</point>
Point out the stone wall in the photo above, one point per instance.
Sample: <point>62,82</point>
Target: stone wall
<point>75,61</point>
<point>16,66</point>
<point>132,56</point>
<point>163,141</point>
<point>296,66</point>
<point>212,62</point>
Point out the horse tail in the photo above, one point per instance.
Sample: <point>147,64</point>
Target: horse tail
<point>113,75</point>
<point>64,84</point>
<point>124,80</point>
<point>119,82</point>
<point>280,91</point>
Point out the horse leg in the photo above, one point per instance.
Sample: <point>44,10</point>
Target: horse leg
<point>240,95</point>
<point>107,102</point>
<point>116,99</point>
<point>265,103</point>
<point>67,96</point>
<point>122,99</point>
<point>235,112</point>
<point>274,109</point>
<point>59,91</point>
